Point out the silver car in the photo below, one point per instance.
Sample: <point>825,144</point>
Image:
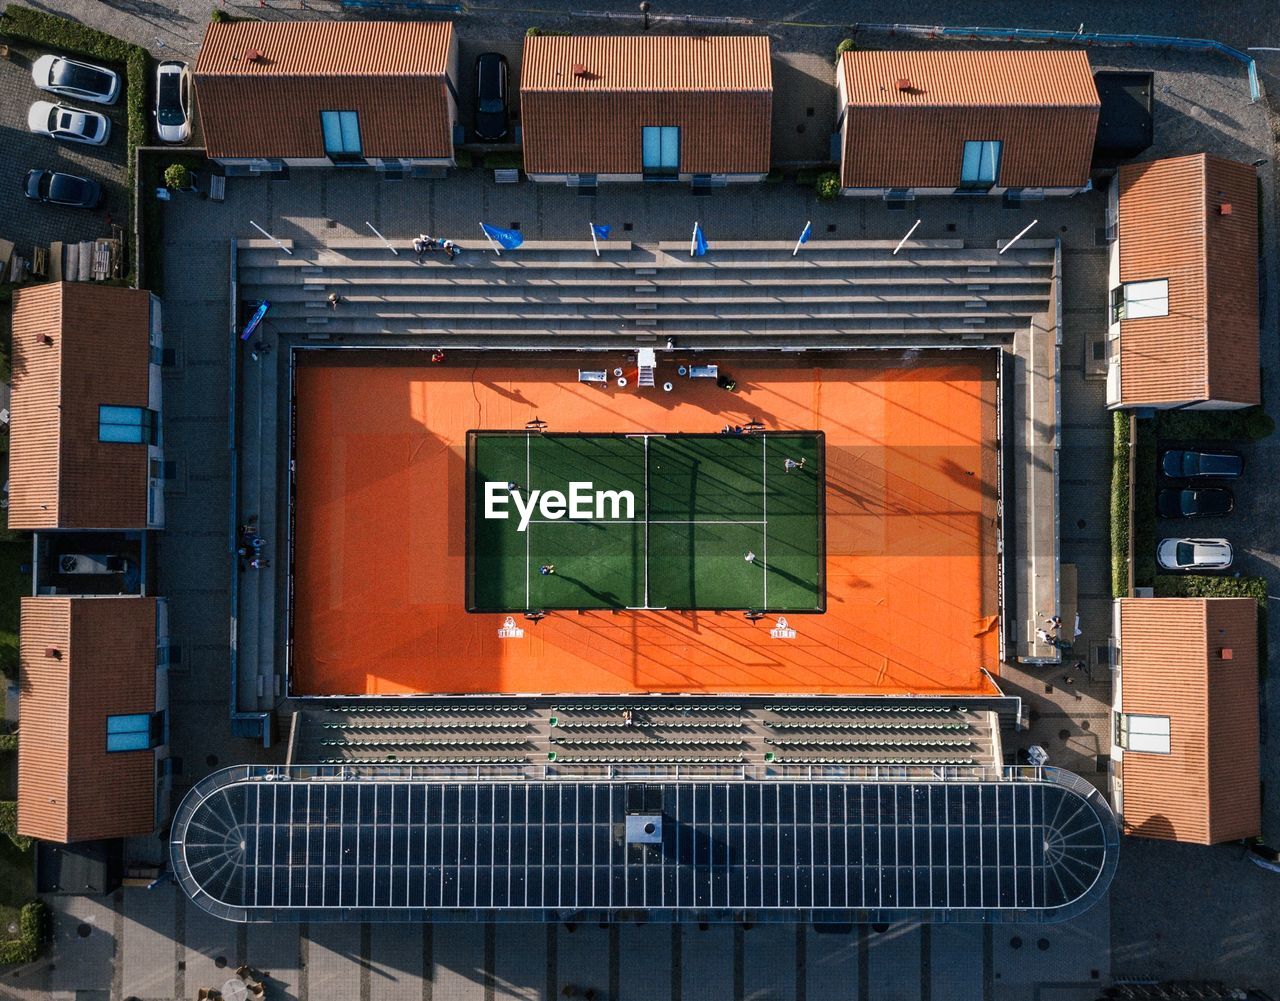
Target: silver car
<point>173,102</point>
<point>1194,554</point>
<point>68,124</point>
<point>72,78</point>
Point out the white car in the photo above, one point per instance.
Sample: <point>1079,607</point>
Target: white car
<point>72,78</point>
<point>68,124</point>
<point>173,102</point>
<point>1194,554</point>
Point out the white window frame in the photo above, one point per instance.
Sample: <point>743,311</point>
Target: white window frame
<point>1144,733</point>
<point>1145,299</point>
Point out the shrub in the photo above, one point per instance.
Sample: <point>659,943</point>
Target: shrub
<point>31,933</point>
<point>9,824</point>
<point>1204,586</point>
<point>502,161</point>
<point>1120,504</point>
<point>535,32</point>
<point>774,176</point>
<point>828,186</point>
<point>807,177</point>
<point>1142,518</point>
<point>846,45</point>
<point>9,656</point>
<point>218,16</point>
<point>177,176</point>
<point>8,742</point>
<point>462,158</point>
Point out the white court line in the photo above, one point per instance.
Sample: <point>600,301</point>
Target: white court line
<point>528,475</point>
<point>646,516</point>
<point>633,521</point>
<point>764,511</point>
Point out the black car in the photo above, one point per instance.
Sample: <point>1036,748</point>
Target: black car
<point>1195,502</point>
<point>491,96</point>
<point>57,188</point>
<point>1179,464</point>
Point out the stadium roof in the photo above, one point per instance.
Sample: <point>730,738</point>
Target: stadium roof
<point>398,843</point>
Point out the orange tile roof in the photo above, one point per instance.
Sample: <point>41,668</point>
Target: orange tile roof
<point>718,90</point>
<point>1042,105</point>
<point>1170,227</point>
<point>76,346</point>
<point>1206,789</point>
<point>69,787</point>
<point>394,73</point>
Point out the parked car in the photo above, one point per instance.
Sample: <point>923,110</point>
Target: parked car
<point>68,124</point>
<point>491,96</point>
<point>57,188</point>
<point>1195,502</point>
<point>72,78</point>
<point>1183,465</point>
<point>173,102</point>
<point>1194,554</point>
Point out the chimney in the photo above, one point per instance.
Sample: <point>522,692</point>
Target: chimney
<point>904,85</point>
<point>253,56</point>
<point>1224,208</point>
<point>579,70</point>
<point>53,651</point>
<point>1226,653</point>
<point>44,339</point>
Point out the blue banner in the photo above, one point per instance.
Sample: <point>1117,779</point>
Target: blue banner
<point>508,239</point>
<point>601,231</point>
<point>807,232</point>
<point>699,248</point>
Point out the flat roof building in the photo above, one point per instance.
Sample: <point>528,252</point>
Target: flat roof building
<point>1184,285</point>
<point>1185,760</point>
<point>274,94</point>
<point>940,122</point>
<point>85,422</point>
<point>92,707</point>
<point>652,108</point>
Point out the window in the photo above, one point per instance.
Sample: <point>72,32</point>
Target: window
<point>135,732</point>
<point>342,136</point>
<point>1134,300</point>
<point>981,165</point>
<point>661,148</point>
<point>132,425</point>
<point>1144,733</point>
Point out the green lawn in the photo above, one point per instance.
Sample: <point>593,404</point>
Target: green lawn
<point>710,500</point>
<point>14,552</point>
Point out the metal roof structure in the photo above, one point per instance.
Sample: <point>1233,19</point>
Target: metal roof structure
<point>402,843</point>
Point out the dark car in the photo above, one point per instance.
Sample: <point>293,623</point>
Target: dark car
<point>1194,502</point>
<point>491,96</point>
<point>1183,465</point>
<point>57,188</point>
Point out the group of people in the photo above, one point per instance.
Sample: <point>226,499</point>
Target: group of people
<point>424,244</point>
<point>1051,633</point>
<point>250,547</point>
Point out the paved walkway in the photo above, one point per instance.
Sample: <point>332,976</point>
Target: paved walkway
<point>156,945</point>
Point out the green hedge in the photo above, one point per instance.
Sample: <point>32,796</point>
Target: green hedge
<point>503,161</point>
<point>828,186</point>
<point>846,45</point>
<point>1249,424</point>
<point>1204,586</point>
<point>1142,519</point>
<point>26,947</point>
<point>1120,504</point>
<point>9,824</point>
<point>26,25</point>
<point>8,742</point>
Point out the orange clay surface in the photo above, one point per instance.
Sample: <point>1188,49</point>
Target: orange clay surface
<point>380,549</point>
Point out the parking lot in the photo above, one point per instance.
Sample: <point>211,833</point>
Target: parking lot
<point>29,223</point>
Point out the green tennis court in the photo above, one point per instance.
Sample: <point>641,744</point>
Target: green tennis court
<point>645,521</point>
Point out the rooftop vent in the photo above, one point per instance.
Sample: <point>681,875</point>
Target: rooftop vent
<point>44,339</point>
<point>53,651</point>
<point>1224,208</point>
<point>1226,653</point>
<point>254,56</point>
<point>579,70</point>
<point>905,86</point>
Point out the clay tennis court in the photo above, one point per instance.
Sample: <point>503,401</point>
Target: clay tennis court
<point>381,548</point>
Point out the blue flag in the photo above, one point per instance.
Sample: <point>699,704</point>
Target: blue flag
<point>508,239</point>
<point>601,231</point>
<point>699,248</point>
<point>807,232</point>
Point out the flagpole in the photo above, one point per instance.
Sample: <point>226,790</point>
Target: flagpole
<point>496,249</point>
<point>801,240</point>
<point>592,227</point>
<point>693,240</point>
<point>1021,233</point>
<point>906,238</point>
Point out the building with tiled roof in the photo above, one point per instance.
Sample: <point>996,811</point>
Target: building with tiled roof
<point>653,108</point>
<point>278,94</point>
<point>940,122</point>
<point>1183,328</point>
<point>93,706</point>
<point>85,424</point>
<point>1185,760</point>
